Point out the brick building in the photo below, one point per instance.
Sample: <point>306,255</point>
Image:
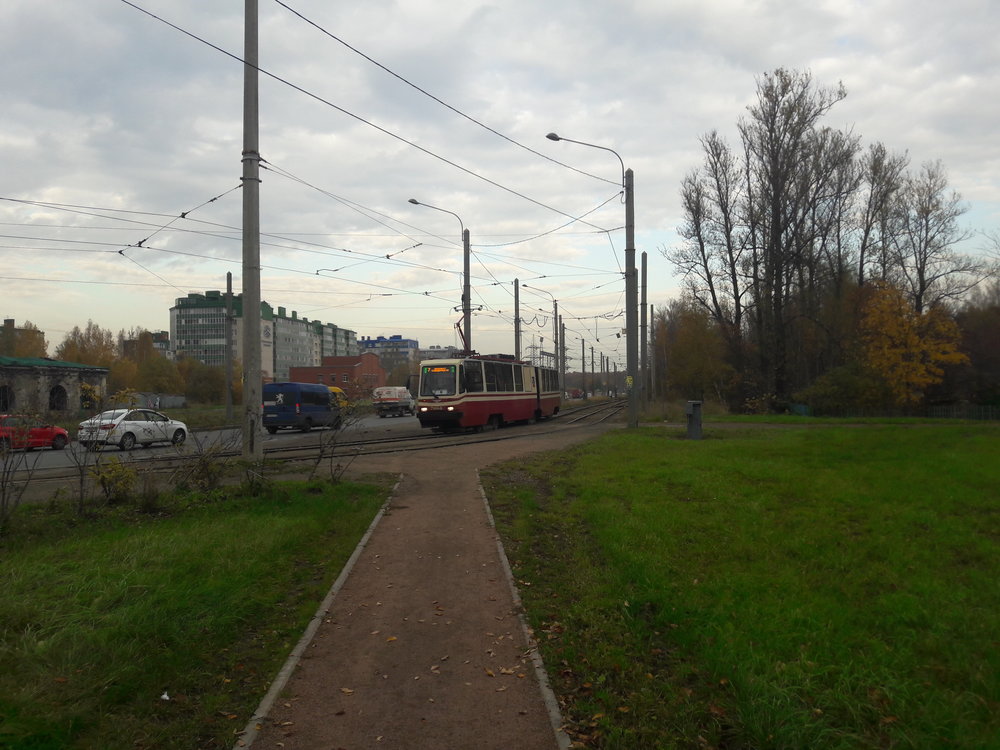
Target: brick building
<point>357,376</point>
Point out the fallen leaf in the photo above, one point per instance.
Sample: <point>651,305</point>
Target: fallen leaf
<point>390,639</point>
<point>489,672</point>
<point>347,691</point>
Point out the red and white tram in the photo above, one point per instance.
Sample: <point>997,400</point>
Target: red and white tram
<point>484,391</point>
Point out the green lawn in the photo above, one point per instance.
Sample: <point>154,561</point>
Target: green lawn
<point>163,630</point>
<point>813,587</point>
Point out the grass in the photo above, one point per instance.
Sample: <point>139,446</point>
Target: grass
<point>200,602</point>
<point>826,587</point>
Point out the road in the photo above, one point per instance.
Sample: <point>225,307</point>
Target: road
<point>356,428</point>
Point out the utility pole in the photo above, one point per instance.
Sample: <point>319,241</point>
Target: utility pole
<point>466,293</point>
<point>253,449</point>
<point>631,303</point>
<point>517,320</point>
<point>643,370</point>
<point>229,347</point>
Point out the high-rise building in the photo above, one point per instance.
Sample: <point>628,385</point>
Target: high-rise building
<point>198,329</point>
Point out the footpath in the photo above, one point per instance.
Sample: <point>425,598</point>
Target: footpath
<point>420,644</point>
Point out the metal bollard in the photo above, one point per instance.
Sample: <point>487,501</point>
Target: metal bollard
<point>693,412</point>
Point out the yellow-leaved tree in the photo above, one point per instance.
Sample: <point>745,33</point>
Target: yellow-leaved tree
<point>905,349</point>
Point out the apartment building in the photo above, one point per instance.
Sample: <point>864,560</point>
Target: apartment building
<point>198,325</point>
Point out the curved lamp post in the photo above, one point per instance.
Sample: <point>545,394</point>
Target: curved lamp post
<point>466,298</point>
<point>631,285</point>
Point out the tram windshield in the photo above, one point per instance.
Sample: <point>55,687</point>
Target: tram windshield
<point>437,380</point>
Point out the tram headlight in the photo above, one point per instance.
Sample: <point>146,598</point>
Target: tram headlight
<point>451,408</point>
<point>423,408</point>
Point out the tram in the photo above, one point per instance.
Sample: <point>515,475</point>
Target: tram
<point>484,392</point>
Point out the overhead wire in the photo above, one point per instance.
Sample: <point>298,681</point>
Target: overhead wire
<point>359,118</point>
<point>435,98</point>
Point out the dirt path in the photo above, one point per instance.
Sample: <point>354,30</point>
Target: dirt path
<point>422,646</point>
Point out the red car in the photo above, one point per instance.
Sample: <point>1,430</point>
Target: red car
<point>24,432</point>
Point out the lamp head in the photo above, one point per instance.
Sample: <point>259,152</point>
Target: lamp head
<point>414,201</point>
<point>553,137</point>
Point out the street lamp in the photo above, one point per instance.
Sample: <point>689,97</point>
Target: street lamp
<point>631,285</point>
<point>466,298</point>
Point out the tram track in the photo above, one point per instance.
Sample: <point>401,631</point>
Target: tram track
<point>278,458</point>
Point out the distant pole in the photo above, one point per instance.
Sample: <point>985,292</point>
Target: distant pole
<point>562,357</point>
<point>517,320</point>
<point>229,347</point>
<point>631,303</point>
<point>253,448</point>
<point>555,335</point>
<point>643,371</point>
<point>583,366</point>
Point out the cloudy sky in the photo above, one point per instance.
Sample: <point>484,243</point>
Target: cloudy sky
<point>114,123</point>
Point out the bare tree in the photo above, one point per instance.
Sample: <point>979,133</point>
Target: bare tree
<point>882,176</point>
<point>931,269</point>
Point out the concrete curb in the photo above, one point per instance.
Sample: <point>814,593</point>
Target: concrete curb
<point>249,733</point>
<point>551,704</point>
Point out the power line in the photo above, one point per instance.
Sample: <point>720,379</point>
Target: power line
<point>435,98</point>
<point>361,119</point>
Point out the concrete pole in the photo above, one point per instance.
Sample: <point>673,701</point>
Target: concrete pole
<point>631,304</point>
<point>517,320</point>
<point>555,334</point>
<point>253,448</point>
<point>466,298</point>
<point>229,347</point>
<point>643,367</point>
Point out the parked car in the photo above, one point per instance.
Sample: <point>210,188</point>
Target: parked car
<point>126,427</point>
<point>24,432</point>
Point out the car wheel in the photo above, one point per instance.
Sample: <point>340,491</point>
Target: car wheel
<point>127,442</point>
<point>4,445</point>
<point>307,425</point>
<point>58,442</point>
<point>179,437</point>
<point>272,430</point>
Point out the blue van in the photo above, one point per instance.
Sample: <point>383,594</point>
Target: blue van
<point>299,406</point>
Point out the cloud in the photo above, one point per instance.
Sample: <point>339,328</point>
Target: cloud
<point>109,108</point>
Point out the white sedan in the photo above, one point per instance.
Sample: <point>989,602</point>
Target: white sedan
<point>126,427</point>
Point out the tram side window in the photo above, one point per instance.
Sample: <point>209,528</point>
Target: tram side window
<point>518,378</point>
<point>492,376</point>
<point>549,380</point>
<point>474,376</point>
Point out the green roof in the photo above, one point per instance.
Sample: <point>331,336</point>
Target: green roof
<point>44,362</point>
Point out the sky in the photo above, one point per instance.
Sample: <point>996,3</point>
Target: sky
<point>121,132</point>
